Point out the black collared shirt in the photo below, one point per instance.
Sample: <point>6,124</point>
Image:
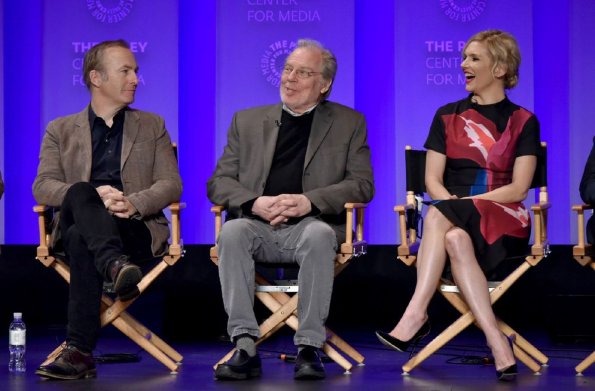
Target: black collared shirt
<point>107,149</point>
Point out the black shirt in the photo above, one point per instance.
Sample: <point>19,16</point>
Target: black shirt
<point>287,167</point>
<point>285,176</point>
<point>107,149</point>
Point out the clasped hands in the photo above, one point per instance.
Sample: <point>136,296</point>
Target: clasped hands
<point>278,209</point>
<point>116,202</point>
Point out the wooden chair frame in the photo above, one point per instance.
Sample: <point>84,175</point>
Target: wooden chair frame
<point>583,254</point>
<point>114,311</point>
<point>406,252</point>
<point>284,307</point>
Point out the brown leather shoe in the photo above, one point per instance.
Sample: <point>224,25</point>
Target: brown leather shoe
<point>125,276</point>
<point>70,364</point>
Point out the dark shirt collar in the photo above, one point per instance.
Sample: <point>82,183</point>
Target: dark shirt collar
<point>118,117</point>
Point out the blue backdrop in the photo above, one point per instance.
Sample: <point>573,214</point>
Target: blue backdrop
<point>202,60</point>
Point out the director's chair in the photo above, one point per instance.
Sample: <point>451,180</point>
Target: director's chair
<point>583,254</point>
<point>114,311</point>
<point>284,307</point>
<point>408,216</point>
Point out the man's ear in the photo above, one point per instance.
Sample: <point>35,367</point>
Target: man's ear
<point>325,87</point>
<point>95,77</point>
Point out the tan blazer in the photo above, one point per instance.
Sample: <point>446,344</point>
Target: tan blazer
<point>149,169</point>
<point>337,165</point>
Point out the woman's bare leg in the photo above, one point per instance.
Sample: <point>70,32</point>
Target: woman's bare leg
<point>431,259</point>
<point>473,285</point>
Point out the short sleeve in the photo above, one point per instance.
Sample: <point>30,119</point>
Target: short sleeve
<point>529,142</point>
<point>436,140</point>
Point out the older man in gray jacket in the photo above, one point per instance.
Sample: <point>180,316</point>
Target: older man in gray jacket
<point>111,170</point>
<point>285,174</point>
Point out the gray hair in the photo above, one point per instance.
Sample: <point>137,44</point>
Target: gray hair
<point>329,62</point>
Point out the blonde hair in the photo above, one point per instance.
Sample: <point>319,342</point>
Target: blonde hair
<point>504,50</point>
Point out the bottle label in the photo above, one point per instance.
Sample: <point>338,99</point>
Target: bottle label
<point>17,337</point>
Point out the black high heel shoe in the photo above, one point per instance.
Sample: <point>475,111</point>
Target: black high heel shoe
<point>402,346</point>
<point>509,373</point>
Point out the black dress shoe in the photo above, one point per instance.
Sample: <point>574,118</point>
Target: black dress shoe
<point>308,365</point>
<point>125,276</point>
<point>239,367</point>
<point>70,364</point>
<point>402,346</point>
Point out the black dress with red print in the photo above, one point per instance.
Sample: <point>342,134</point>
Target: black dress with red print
<point>481,143</point>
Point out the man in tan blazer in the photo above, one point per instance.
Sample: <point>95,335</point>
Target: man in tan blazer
<point>111,170</point>
<point>285,174</point>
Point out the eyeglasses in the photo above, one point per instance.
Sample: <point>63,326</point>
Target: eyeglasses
<point>300,73</point>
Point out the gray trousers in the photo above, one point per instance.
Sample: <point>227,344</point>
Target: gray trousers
<point>311,243</point>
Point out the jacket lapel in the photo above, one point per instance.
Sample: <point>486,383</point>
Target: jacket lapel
<point>270,132</point>
<point>83,135</point>
<point>321,124</point>
<point>131,128</point>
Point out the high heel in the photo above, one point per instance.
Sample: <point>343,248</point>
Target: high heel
<point>402,346</point>
<point>509,373</point>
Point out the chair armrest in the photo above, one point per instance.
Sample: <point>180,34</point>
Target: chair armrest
<point>540,246</point>
<point>218,211</point>
<point>44,236</point>
<point>359,221</point>
<point>582,251</point>
<point>175,248</point>
<point>407,237</point>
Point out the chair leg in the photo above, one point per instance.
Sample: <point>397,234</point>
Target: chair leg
<point>442,339</point>
<point>337,357</point>
<point>131,333</point>
<point>586,363</point>
<point>151,337</point>
<point>523,344</point>
<point>343,346</point>
<point>52,356</point>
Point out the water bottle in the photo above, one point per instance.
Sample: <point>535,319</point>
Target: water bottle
<point>17,333</point>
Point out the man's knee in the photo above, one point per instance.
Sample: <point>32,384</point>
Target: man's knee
<point>319,234</point>
<point>233,231</point>
<point>80,191</point>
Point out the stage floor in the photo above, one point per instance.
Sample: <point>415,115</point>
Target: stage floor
<point>457,367</point>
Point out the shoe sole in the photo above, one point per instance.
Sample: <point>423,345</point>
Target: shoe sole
<point>49,375</point>
<point>126,282</point>
<point>388,344</point>
<point>225,373</point>
<point>309,374</point>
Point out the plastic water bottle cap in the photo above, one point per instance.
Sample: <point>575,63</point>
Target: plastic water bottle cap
<point>18,315</point>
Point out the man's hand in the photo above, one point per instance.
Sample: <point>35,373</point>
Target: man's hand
<point>105,190</point>
<point>295,205</point>
<point>279,209</point>
<point>267,208</point>
<point>116,202</point>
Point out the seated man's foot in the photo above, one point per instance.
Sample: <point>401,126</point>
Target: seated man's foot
<point>239,367</point>
<point>125,276</point>
<point>70,364</point>
<point>308,365</point>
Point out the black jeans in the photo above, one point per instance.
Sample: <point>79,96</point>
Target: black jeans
<point>92,238</point>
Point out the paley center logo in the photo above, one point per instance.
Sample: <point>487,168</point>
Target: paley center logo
<point>109,11</point>
<point>463,10</point>
<point>273,59</point>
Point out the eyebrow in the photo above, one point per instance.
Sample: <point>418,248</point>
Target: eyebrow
<point>129,67</point>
